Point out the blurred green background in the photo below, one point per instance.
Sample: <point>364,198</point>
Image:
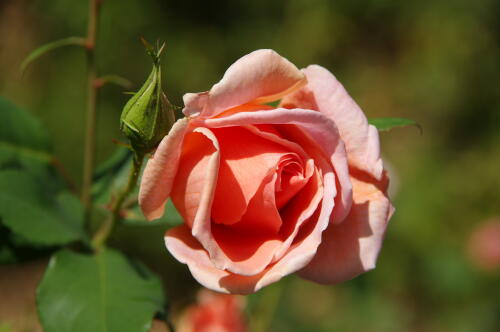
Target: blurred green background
<point>437,62</point>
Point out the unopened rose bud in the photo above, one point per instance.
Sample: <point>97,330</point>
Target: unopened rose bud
<point>148,115</point>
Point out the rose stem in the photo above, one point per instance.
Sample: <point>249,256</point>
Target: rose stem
<point>89,149</point>
<point>106,228</point>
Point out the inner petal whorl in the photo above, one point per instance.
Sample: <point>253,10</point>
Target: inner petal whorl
<point>291,179</point>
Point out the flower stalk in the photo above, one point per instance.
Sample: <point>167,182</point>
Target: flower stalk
<point>145,120</point>
<point>89,149</point>
<point>107,226</point>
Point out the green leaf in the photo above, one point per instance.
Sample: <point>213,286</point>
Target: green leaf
<point>30,207</point>
<point>34,205</point>
<point>23,140</point>
<point>16,249</point>
<point>38,52</point>
<point>385,124</point>
<point>101,292</point>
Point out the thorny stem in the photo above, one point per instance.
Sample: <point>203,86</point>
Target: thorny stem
<point>106,228</point>
<point>89,150</point>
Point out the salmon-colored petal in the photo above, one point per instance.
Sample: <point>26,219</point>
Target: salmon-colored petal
<point>187,250</point>
<point>248,246</point>
<point>201,170</point>
<point>315,131</point>
<point>244,108</point>
<point>160,171</point>
<point>271,133</point>
<point>352,247</point>
<point>251,244</point>
<point>324,93</point>
<point>246,161</point>
<point>301,208</point>
<point>262,216</point>
<point>258,77</point>
<point>337,163</point>
<point>290,179</point>
<point>244,254</point>
<point>194,186</point>
<point>228,194</point>
<point>260,238</point>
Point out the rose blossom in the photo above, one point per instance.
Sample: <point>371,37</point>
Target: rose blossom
<point>484,245</point>
<point>265,191</point>
<point>214,312</point>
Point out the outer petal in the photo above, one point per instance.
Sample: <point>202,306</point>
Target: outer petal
<point>258,77</point>
<point>327,95</point>
<point>160,172</point>
<point>194,185</point>
<point>319,130</point>
<point>352,247</point>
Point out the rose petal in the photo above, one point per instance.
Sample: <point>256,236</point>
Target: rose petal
<point>196,178</point>
<point>248,246</point>
<point>258,77</point>
<point>262,215</point>
<point>291,179</point>
<point>193,193</point>
<point>160,171</point>
<point>185,248</point>
<point>253,243</point>
<point>286,187</point>
<point>243,254</point>
<point>352,247</point>
<point>201,171</point>
<point>301,208</point>
<point>246,161</point>
<point>318,132</point>
<point>324,93</point>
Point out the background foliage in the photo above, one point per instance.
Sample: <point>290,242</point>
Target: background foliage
<point>437,62</point>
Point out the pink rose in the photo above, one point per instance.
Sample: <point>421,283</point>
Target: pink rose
<point>214,312</point>
<point>484,245</point>
<point>265,191</point>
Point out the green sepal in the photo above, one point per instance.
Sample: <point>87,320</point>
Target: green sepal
<point>148,115</point>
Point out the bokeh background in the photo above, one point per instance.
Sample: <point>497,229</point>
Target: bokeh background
<point>437,62</point>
